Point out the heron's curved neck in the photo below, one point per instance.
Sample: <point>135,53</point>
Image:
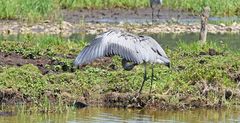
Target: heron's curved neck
<point>128,65</point>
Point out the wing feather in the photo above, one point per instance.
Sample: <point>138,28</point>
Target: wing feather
<point>154,48</point>
<point>116,42</point>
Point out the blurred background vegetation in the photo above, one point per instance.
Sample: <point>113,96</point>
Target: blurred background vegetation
<point>36,9</point>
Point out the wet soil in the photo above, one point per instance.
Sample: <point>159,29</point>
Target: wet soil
<point>15,59</point>
<point>119,100</point>
<point>118,15</point>
<point>86,21</point>
<point>128,100</point>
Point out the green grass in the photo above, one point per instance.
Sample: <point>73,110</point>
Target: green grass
<point>189,73</point>
<point>30,10</point>
<point>218,7</point>
<point>29,44</point>
<point>35,10</point>
<point>98,4</point>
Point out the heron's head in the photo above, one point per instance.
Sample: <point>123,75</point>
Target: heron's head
<point>164,60</point>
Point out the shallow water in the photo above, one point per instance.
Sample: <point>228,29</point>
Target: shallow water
<point>140,15</point>
<point>164,20</point>
<point>171,40</point>
<point>113,115</point>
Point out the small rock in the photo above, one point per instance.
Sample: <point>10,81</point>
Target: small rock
<point>113,67</point>
<point>19,64</point>
<point>46,21</point>
<point>202,53</point>
<point>234,24</point>
<point>222,24</point>
<point>30,56</point>
<point>66,24</point>
<point>181,67</point>
<point>229,29</point>
<point>80,105</point>
<point>228,94</point>
<point>202,61</point>
<point>65,67</point>
<point>212,52</point>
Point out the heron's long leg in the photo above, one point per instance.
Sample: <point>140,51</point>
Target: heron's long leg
<point>158,14</point>
<point>152,14</point>
<point>151,79</point>
<point>144,78</point>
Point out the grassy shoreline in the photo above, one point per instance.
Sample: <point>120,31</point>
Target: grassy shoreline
<point>34,10</point>
<point>203,76</point>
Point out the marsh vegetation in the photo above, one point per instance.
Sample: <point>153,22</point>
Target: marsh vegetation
<point>43,75</point>
<point>37,49</point>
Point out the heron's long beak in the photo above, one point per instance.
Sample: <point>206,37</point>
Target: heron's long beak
<point>168,65</point>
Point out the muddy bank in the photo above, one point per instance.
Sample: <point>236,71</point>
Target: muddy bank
<point>117,15</point>
<point>20,60</point>
<point>66,29</point>
<point>49,65</point>
<point>135,20</point>
<point>166,101</point>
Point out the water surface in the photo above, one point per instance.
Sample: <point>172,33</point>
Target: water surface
<point>171,40</point>
<point>114,115</point>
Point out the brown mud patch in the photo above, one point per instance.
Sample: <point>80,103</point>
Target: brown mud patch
<point>118,15</point>
<point>12,96</point>
<point>15,59</point>
<point>104,63</point>
<point>234,75</point>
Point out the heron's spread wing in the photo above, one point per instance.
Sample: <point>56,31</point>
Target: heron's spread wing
<point>113,42</point>
<point>156,47</point>
<point>153,48</point>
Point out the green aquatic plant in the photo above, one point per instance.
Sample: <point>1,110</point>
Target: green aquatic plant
<point>27,79</point>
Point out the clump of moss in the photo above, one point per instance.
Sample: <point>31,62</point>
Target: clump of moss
<point>27,79</point>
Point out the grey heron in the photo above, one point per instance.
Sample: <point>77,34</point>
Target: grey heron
<point>155,4</point>
<point>133,50</point>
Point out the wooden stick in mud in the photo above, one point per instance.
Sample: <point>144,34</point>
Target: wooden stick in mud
<point>204,21</point>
